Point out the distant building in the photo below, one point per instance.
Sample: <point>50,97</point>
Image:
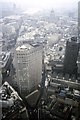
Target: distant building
<point>28,60</point>
<point>71,54</point>
<point>7,8</point>
<point>52,39</point>
<point>79,20</point>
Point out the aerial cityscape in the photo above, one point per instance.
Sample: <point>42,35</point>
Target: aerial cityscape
<point>39,63</point>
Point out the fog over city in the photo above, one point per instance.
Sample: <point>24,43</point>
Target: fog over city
<point>39,59</point>
<point>41,4</point>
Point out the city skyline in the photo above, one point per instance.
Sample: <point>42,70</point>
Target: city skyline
<point>40,60</point>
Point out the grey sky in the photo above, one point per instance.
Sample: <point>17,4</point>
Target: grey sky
<point>44,3</point>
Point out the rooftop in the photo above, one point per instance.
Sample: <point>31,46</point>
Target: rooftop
<point>24,47</point>
<point>32,98</point>
<point>11,103</point>
<point>27,46</point>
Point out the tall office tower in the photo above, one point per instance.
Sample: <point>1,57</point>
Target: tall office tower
<point>71,54</point>
<point>79,21</point>
<point>28,67</point>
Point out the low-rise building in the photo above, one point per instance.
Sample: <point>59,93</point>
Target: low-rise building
<point>11,104</point>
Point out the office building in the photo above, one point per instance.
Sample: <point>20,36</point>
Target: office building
<point>71,54</point>
<point>28,59</point>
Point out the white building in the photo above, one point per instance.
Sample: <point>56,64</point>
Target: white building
<point>28,59</point>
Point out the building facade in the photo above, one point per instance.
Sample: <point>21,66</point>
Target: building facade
<point>28,67</point>
<point>71,54</point>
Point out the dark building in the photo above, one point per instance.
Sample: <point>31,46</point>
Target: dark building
<point>79,38</point>
<point>71,54</point>
<point>79,21</point>
<point>56,65</point>
<point>11,104</point>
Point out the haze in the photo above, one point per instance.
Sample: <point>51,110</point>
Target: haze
<point>44,4</point>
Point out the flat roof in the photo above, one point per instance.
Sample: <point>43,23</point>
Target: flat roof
<point>24,47</point>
